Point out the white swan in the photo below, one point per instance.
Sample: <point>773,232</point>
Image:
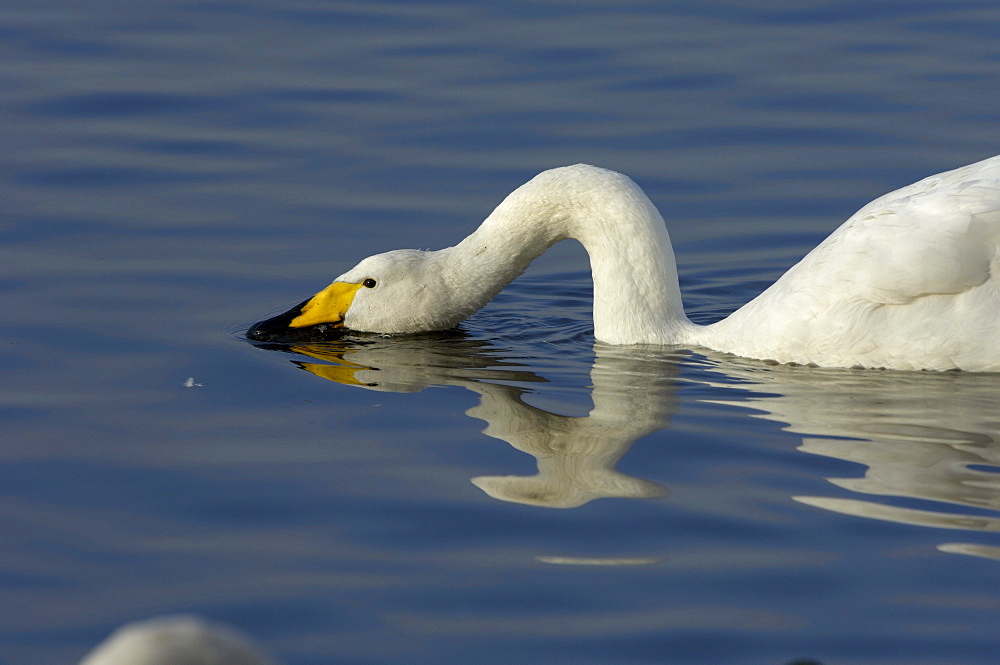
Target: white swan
<point>911,281</point>
<point>175,640</point>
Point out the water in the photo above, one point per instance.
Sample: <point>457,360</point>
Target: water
<point>512,493</point>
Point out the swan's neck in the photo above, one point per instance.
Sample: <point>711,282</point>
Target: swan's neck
<point>636,295</point>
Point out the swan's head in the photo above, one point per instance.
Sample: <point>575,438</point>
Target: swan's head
<point>403,291</point>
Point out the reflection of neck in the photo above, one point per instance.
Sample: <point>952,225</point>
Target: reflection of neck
<point>636,293</point>
<point>634,395</point>
<point>577,456</point>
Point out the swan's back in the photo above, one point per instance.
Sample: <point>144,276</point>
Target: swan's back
<point>178,640</point>
<point>911,281</point>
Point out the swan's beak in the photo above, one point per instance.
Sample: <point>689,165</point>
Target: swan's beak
<point>320,317</point>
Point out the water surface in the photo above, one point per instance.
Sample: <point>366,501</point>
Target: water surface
<point>510,492</point>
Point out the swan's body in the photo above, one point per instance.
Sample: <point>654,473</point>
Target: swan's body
<point>179,640</point>
<point>911,281</point>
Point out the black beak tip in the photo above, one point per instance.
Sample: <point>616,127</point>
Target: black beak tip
<point>273,329</point>
<point>278,329</point>
<point>259,332</point>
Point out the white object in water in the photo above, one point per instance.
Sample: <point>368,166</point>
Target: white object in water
<point>911,281</point>
<point>176,640</point>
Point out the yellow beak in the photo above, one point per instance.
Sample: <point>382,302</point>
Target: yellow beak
<point>328,306</point>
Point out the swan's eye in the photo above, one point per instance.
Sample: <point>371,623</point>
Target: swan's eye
<point>369,283</point>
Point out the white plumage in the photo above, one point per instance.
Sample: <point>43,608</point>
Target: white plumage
<point>175,640</point>
<point>911,281</point>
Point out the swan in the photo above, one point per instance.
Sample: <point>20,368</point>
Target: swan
<point>909,282</point>
<point>176,640</point>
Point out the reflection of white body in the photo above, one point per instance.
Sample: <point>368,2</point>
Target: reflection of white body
<point>175,641</point>
<point>911,281</point>
<point>928,436</point>
<point>931,437</point>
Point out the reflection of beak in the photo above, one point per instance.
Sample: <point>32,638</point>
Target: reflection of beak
<point>321,317</point>
<point>340,373</point>
<point>341,370</point>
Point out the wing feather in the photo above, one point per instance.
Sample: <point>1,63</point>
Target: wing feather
<point>938,236</point>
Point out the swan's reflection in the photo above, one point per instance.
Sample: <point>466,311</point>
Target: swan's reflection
<point>930,439</point>
<point>634,395</point>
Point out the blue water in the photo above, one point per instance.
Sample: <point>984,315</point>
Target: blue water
<point>173,172</point>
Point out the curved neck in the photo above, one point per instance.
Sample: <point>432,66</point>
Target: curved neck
<point>636,295</point>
